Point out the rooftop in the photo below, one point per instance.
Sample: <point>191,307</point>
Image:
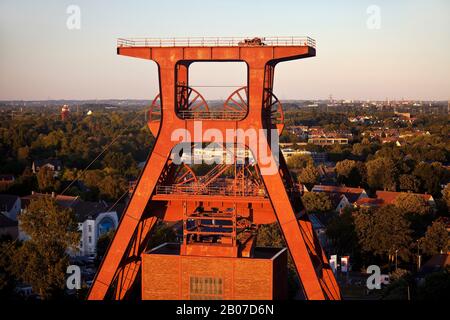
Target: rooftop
<point>7,202</point>
<point>82,209</point>
<point>352,194</point>
<point>218,42</point>
<point>389,197</point>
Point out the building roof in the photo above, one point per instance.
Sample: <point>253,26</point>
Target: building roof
<point>369,202</point>
<point>43,162</point>
<point>62,200</point>
<point>352,194</point>
<point>83,209</point>
<point>7,202</point>
<point>389,197</point>
<point>315,221</point>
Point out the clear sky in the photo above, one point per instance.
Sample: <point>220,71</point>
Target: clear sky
<point>407,57</point>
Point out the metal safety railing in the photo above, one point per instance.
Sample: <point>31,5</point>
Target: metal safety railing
<point>217,42</point>
<point>212,115</point>
<point>210,190</point>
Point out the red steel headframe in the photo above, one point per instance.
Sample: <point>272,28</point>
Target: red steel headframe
<point>120,267</point>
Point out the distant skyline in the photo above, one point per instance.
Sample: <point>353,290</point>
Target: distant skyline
<point>407,57</point>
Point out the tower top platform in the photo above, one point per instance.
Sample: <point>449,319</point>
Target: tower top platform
<point>258,49</point>
<point>290,41</point>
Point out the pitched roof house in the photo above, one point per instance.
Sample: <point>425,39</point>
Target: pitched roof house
<point>53,164</point>
<point>341,196</point>
<point>383,198</point>
<point>94,218</point>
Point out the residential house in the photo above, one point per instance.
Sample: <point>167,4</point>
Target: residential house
<point>341,196</point>
<point>94,219</point>
<point>53,164</point>
<point>383,198</point>
<point>318,157</point>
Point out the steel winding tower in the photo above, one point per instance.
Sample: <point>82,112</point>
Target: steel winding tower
<point>220,210</point>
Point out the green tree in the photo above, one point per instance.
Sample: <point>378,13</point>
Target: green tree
<point>163,232</point>
<point>446,196</point>
<point>102,245</point>
<point>412,204</point>
<point>42,260</point>
<point>430,176</point>
<point>23,153</point>
<point>342,233</point>
<point>345,168</point>
<point>383,232</point>
<point>7,278</point>
<point>309,176</point>
<point>381,174</point>
<point>269,235</point>
<point>409,182</point>
<point>436,286</point>
<point>436,239</point>
<point>317,202</point>
<point>46,179</point>
<point>113,187</point>
<point>361,149</point>
<point>350,173</point>
<point>398,288</point>
<point>300,161</point>
<point>416,210</point>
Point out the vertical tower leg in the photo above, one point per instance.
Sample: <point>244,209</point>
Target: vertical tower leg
<point>115,262</point>
<point>309,259</point>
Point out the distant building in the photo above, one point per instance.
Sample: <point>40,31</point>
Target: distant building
<point>383,198</point>
<point>94,219</point>
<point>53,164</point>
<point>389,197</point>
<point>360,119</point>
<point>327,141</point>
<point>341,197</point>
<point>318,157</point>
<point>394,140</point>
<point>319,136</point>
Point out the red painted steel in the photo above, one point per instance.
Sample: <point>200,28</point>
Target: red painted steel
<point>166,192</point>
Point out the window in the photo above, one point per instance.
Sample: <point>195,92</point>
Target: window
<point>206,288</point>
<point>90,239</point>
<point>90,228</point>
